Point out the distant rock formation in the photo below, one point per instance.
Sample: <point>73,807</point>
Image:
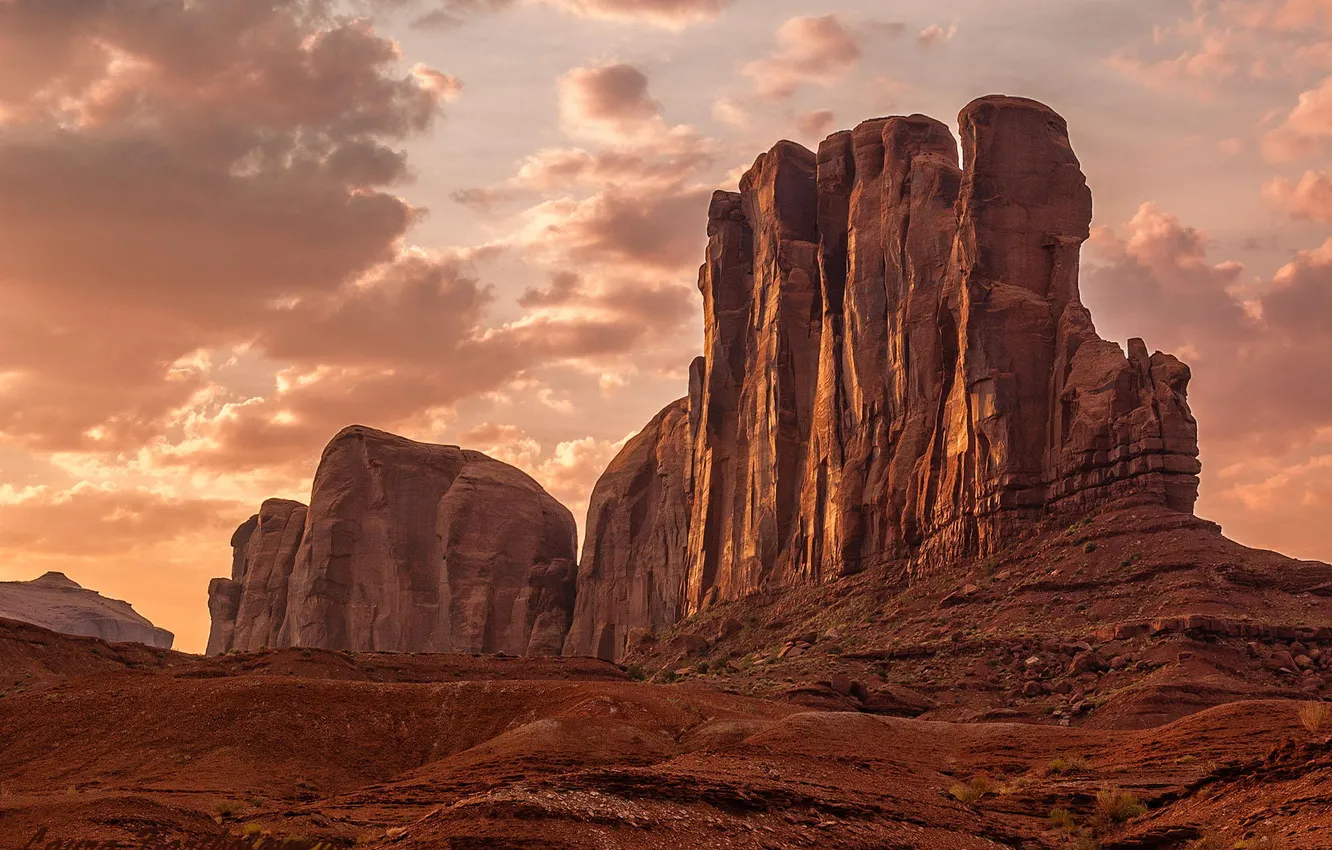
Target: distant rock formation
<point>60,604</point>
<point>405,547</point>
<point>897,369</point>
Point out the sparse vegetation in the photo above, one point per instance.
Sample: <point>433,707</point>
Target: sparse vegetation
<point>226,810</point>
<point>1067,764</point>
<point>970,793</point>
<point>1211,841</point>
<point>1089,547</point>
<point>1266,838</point>
<point>1116,806</point>
<point>1314,716</point>
<point>1062,819</point>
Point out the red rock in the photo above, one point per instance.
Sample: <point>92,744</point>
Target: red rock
<point>897,370</point>
<point>406,547</point>
<point>633,565</point>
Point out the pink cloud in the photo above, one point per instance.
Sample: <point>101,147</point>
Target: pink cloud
<point>1310,198</point>
<point>1306,130</point>
<point>809,50</point>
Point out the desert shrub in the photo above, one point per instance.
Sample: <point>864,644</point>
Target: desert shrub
<point>1067,764</point>
<point>226,809</point>
<point>1085,841</point>
<point>1062,819</point>
<point>1211,841</point>
<point>970,793</point>
<point>1089,548</point>
<point>1266,838</point>
<point>1314,715</point>
<point>1116,806</point>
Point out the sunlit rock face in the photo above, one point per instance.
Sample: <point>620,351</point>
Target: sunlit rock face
<point>56,602</point>
<point>898,370</point>
<point>406,547</point>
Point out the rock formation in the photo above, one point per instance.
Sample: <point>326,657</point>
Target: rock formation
<point>897,370</point>
<point>60,604</point>
<point>405,547</point>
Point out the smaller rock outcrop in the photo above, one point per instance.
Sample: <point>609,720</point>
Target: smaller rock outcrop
<point>61,604</point>
<point>405,547</point>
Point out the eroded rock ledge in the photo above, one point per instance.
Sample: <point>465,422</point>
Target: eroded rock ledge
<point>406,546</point>
<point>897,369</point>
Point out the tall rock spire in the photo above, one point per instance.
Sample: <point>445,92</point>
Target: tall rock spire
<point>898,372</point>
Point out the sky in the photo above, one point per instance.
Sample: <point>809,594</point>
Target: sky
<point>228,229</point>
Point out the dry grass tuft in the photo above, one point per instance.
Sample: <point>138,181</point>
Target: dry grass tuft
<point>1314,716</point>
<point>970,793</point>
<point>1115,806</point>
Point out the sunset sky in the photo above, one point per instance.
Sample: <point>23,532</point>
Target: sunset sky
<point>230,227</point>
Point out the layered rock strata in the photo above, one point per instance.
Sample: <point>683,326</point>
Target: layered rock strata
<point>405,547</point>
<point>898,370</point>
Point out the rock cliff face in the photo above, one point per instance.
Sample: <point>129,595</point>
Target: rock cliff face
<point>60,604</point>
<point>897,370</point>
<point>405,547</point>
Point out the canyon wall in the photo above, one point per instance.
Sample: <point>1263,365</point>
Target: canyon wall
<point>898,372</point>
<point>405,547</point>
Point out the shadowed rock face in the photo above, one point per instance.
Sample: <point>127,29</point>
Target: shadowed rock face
<point>897,369</point>
<point>405,547</point>
<point>60,604</point>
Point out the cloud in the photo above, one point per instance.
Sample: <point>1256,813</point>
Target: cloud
<point>1306,131</point>
<point>816,124</point>
<point>1309,199</point>
<point>1257,349</point>
<point>607,101</point>
<point>815,50</point>
<point>451,14</point>
<point>1300,300</point>
<point>1253,344</point>
<point>1221,44</point>
<point>669,14</point>
<point>935,35</point>
<point>170,177</point>
<point>86,520</point>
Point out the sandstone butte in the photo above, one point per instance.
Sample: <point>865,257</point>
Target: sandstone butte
<point>56,602</point>
<point>898,371</point>
<point>405,547</point>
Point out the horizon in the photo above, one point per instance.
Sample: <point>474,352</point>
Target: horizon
<point>215,251</point>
